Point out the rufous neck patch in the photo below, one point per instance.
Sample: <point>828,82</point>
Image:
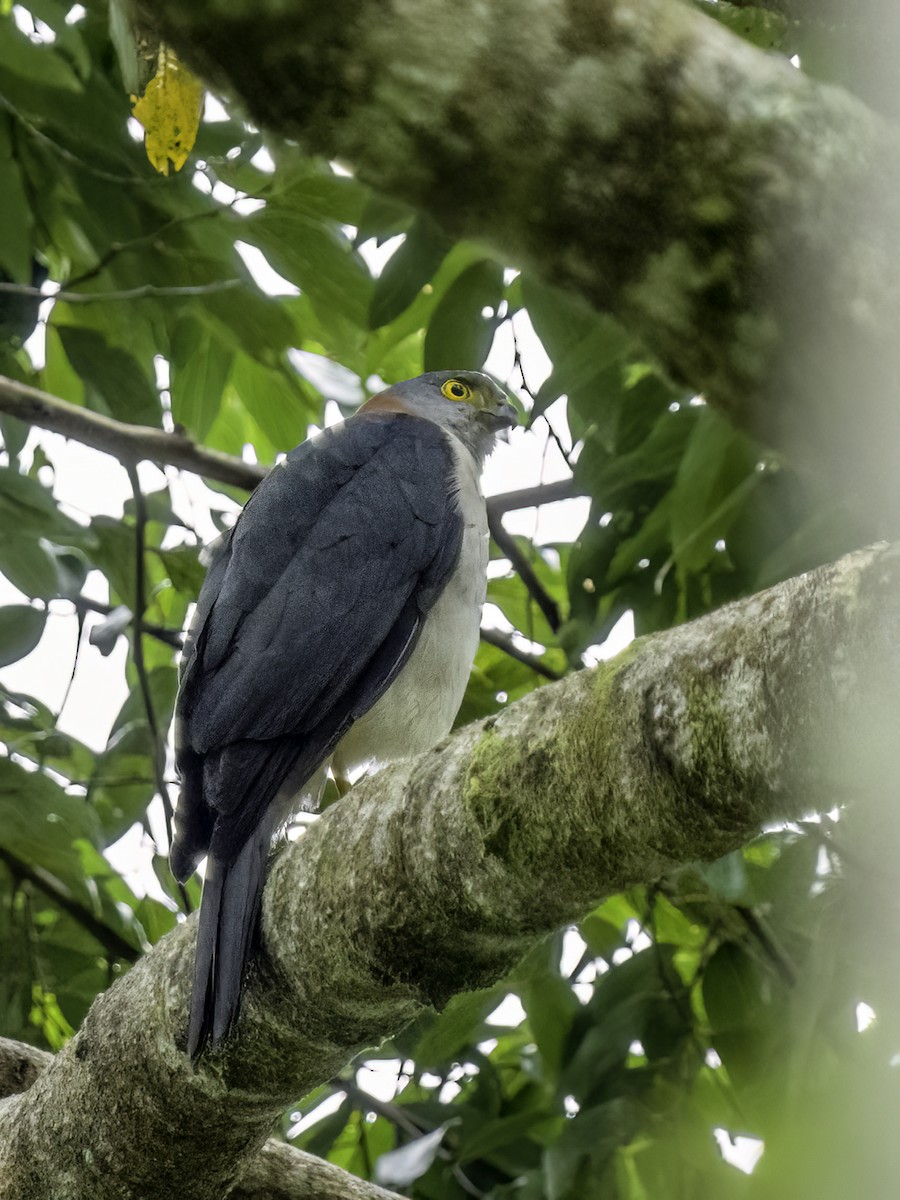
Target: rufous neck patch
<point>387,401</point>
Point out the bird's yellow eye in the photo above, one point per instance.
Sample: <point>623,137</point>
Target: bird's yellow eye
<point>455,389</point>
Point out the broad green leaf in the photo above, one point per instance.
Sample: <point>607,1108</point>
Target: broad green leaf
<point>32,529</point>
<point>407,271</point>
<point>116,383</point>
<point>40,824</point>
<point>184,568</point>
<point>458,335</point>
<point>655,460</point>
<point>201,365</point>
<point>275,399</point>
<point>731,989</point>
<point>574,1163</point>
<point>16,223</point>
<point>715,478</point>
<point>21,627</point>
<point>317,257</point>
<point>38,63</point>
<point>456,1026</point>
<point>757,24</point>
<point>28,728</point>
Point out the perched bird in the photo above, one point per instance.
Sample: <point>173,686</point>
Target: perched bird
<point>336,625</point>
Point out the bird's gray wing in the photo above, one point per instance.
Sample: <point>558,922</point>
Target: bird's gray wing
<point>311,608</point>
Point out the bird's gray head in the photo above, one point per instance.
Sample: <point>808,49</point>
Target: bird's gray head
<point>467,403</point>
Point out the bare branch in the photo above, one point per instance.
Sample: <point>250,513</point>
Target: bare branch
<point>128,443</point>
<point>533,497</point>
<point>144,292</point>
<point>506,543</point>
<point>503,641</point>
<point>134,443</point>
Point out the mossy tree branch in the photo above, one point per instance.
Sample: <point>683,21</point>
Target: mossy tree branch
<point>437,874</point>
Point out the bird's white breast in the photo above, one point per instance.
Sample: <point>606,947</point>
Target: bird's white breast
<point>419,708</point>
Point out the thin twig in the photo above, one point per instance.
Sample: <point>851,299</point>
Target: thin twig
<point>533,497</point>
<point>503,641</point>
<point>144,292</point>
<point>54,889</point>
<point>140,525</point>
<point>777,956</point>
<point>149,180</point>
<point>171,637</point>
<point>117,248</point>
<point>542,598</point>
<point>566,454</point>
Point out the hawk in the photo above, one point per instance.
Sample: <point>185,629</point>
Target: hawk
<point>336,626</point>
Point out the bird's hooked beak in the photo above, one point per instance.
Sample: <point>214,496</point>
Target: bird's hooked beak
<point>500,416</point>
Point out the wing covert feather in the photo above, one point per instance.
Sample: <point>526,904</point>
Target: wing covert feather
<point>320,568</point>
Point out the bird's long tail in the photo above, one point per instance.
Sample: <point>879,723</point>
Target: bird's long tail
<point>232,892</point>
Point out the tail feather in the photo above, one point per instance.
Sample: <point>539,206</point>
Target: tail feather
<point>229,913</point>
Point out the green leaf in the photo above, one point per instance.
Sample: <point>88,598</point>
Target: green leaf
<point>551,1006</point>
<point>458,336</point>
<point>59,751</point>
<point>731,989</point>
<point>407,271</point>
<point>201,364</point>
<point>40,824</point>
<point>316,257</point>
<point>32,530</point>
<point>116,383</point>
<point>275,399</point>
<point>15,227</point>
<point>21,627</point>
<point>756,24</point>
<point>456,1026</point>
<point>14,434</point>
<point>184,569</point>
<point>38,63</point>
<point>575,1161</point>
<point>715,477</point>
<point>606,477</point>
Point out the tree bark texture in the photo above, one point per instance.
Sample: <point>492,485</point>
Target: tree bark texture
<point>277,1172</point>
<point>436,875</point>
<point>741,218</point>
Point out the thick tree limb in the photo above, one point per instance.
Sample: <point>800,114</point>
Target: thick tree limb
<point>20,1065</point>
<point>437,874</point>
<point>277,1172</point>
<point>739,216</point>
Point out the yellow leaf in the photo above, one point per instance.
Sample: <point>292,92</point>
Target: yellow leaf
<point>169,111</point>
